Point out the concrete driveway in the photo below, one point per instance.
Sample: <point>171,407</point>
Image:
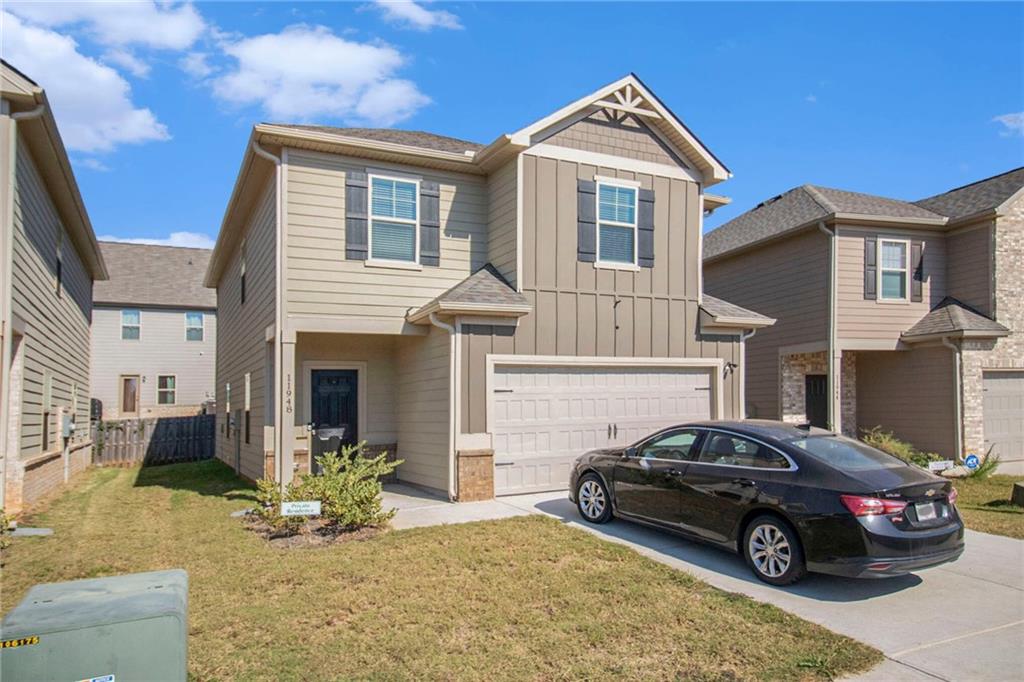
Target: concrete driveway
<point>961,621</point>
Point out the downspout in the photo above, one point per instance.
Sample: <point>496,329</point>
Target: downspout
<point>452,407</point>
<point>743,371</point>
<point>6,283</point>
<point>279,431</point>
<point>833,418</point>
<point>958,402</point>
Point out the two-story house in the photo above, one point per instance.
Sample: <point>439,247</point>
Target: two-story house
<point>49,260</point>
<point>154,331</point>
<point>487,312</point>
<point>908,316</point>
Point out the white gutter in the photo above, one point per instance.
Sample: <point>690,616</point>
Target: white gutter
<point>452,407</point>
<point>6,283</point>
<point>958,402</point>
<point>834,416</point>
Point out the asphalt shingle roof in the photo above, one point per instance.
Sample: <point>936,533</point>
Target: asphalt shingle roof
<point>148,275</point>
<point>976,197</point>
<point>410,138</point>
<point>719,308</point>
<point>951,316</point>
<point>486,286</point>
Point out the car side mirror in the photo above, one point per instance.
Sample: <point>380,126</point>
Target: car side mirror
<point>629,452</point>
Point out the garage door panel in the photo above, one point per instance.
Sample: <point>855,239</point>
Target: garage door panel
<point>545,416</point>
<point>1003,410</point>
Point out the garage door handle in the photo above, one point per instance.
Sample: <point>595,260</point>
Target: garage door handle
<point>616,427</point>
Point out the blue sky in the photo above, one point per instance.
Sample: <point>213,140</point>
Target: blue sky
<point>155,102</point>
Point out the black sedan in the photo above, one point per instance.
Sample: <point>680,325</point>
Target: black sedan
<point>790,499</point>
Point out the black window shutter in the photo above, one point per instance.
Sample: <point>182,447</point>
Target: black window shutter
<point>586,221</point>
<point>645,228</point>
<point>430,223</point>
<point>870,268</point>
<point>355,215</point>
<point>917,270</point>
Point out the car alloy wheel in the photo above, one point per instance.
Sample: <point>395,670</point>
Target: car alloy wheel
<point>770,550</point>
<point>592,500</point>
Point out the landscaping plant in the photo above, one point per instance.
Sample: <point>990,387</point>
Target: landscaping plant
<point>887,442</point>
<point>5,530</point>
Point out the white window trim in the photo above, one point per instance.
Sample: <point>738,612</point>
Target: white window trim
<point>906,270</point>
<point>165,390</point>
<point>616,265</point>
<point>388,262</point>
<point>202,316</point>
<point>123,325</point>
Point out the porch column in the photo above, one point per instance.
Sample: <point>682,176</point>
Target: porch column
<point>835,401</point>
<point>286,430</point>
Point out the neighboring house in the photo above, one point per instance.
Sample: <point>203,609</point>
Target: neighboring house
<point>154,332</point>
<point>487,312</point>
<point>908,316</point>
<point>48,262</point>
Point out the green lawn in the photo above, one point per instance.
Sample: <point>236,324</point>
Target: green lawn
<point>985,505</point>
<point>522,598</point>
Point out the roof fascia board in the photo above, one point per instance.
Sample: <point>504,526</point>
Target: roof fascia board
<point>217,258</point>
<point>455,308</point>
<point>960,334</point>
<point>888,220</point>
<point>709,319</point>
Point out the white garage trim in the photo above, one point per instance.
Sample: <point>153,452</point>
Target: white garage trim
<point>598,361</point>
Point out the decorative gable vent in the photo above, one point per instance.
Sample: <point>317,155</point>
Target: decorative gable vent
<point>625,101</point>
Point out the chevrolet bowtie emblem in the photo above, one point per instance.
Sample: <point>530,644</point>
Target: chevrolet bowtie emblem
<point>929,493</point>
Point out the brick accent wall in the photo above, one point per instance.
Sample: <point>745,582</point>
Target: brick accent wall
<point>39,478</point>
<point>793,370</point>
<point>303,460</point>
<point>475,475</point>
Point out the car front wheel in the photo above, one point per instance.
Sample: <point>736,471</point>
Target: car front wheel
<point>592,499</point>
<point>772,550</point>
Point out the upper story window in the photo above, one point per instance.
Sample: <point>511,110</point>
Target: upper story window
<point>894,269</point>
<point>394,226</point>
<point>616,224</point>
<point>194,326</point>
<point>131,325</point>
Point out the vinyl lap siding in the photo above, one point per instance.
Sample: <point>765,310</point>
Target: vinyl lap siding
<point>969,267</point>
<point>57,338</point>
<point>241,341</point>
<point>787,280</point>
<point>160,349</point>
<point>501,247</point>
<point>423,395</point>
<point>322,283</point>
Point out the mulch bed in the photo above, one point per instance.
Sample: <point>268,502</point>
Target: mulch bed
<point>314,532</point>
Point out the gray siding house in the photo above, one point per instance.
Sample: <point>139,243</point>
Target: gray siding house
<point>904,315</point>
<point>154,332</point>
<point>49,260</point>
<point>485,312</point>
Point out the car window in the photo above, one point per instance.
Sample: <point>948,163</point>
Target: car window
<point>677,445</point>
<point>726,449</point>
<point>846,453</point>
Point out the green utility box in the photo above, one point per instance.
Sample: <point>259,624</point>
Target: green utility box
<point>119,629</point>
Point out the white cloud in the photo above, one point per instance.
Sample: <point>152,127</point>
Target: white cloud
<point>91,164</point>
<point>164,25</point>
<point>127,60</point>
<point>1013,124</point>
<point>811,99</point>
<point>413,15</point>
<point>196,65</point>
<point>91,101</point>
<point>195,240</point>
<point>308,72</point>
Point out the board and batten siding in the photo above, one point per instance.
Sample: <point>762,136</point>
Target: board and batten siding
<point>56,343</point>
<point>241,344</point>
<point>502,188</point>
<point>423,385</point>
<point>786,280</point>
<point>876,320</point>
<point>160,349</point>
<point>969,266</point>
<point>322,283</point>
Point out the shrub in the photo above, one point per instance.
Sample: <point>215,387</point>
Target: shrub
<point>269,498</point>
<point>887,442</point>
<point>5,530</point>
<point>987,467</point>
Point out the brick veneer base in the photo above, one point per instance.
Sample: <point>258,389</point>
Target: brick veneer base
<point>302,460</point>
<point>475,475</point>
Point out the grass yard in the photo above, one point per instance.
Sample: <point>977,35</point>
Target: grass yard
<point>985,505</point>
<point>522,598</point>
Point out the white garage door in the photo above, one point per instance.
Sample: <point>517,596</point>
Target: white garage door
<point>546,416</point>
<point>1003,406</point>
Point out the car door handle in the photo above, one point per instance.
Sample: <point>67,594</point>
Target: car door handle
<point>746,482</point>
<point>674,472</point>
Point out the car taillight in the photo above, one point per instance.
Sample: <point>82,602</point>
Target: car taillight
<point>953,494</point>
<point>871,506</point>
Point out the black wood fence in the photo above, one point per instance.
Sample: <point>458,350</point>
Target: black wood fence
<point>158,440</point>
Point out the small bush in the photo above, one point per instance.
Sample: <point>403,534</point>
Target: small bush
<point>987,467</point>
<point>5,530</point>
<point>887,442</point>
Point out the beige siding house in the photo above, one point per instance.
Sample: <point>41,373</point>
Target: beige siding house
<point>154,332</point>
<point>49,260</point>
<point>908,316</point>
<point>484,313</point>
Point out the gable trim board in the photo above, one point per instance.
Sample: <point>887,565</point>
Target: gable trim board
<point>600,160</point>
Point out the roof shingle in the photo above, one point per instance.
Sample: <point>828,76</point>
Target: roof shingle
<point>716,307</point>
<point>409,138</point>
<point>486,286</point>
<point>149,275</point>
<point>984,195</point>
<point>951,316</point>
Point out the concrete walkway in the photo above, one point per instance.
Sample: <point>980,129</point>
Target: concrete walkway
<point>961,621</point>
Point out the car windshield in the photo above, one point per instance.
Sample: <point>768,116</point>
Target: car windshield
<point>846,453</point>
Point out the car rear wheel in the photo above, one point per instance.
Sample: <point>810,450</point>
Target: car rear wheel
<point>772,550</point>
<point>592,500</point>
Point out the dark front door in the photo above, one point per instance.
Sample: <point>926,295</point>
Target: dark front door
<point>816,399</point>
<point>334,408</point>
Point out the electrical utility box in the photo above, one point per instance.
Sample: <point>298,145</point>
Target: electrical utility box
<point>118,629</point>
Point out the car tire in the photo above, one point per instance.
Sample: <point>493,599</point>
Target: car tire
<point>592,500</point>
<point>772,549</point>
